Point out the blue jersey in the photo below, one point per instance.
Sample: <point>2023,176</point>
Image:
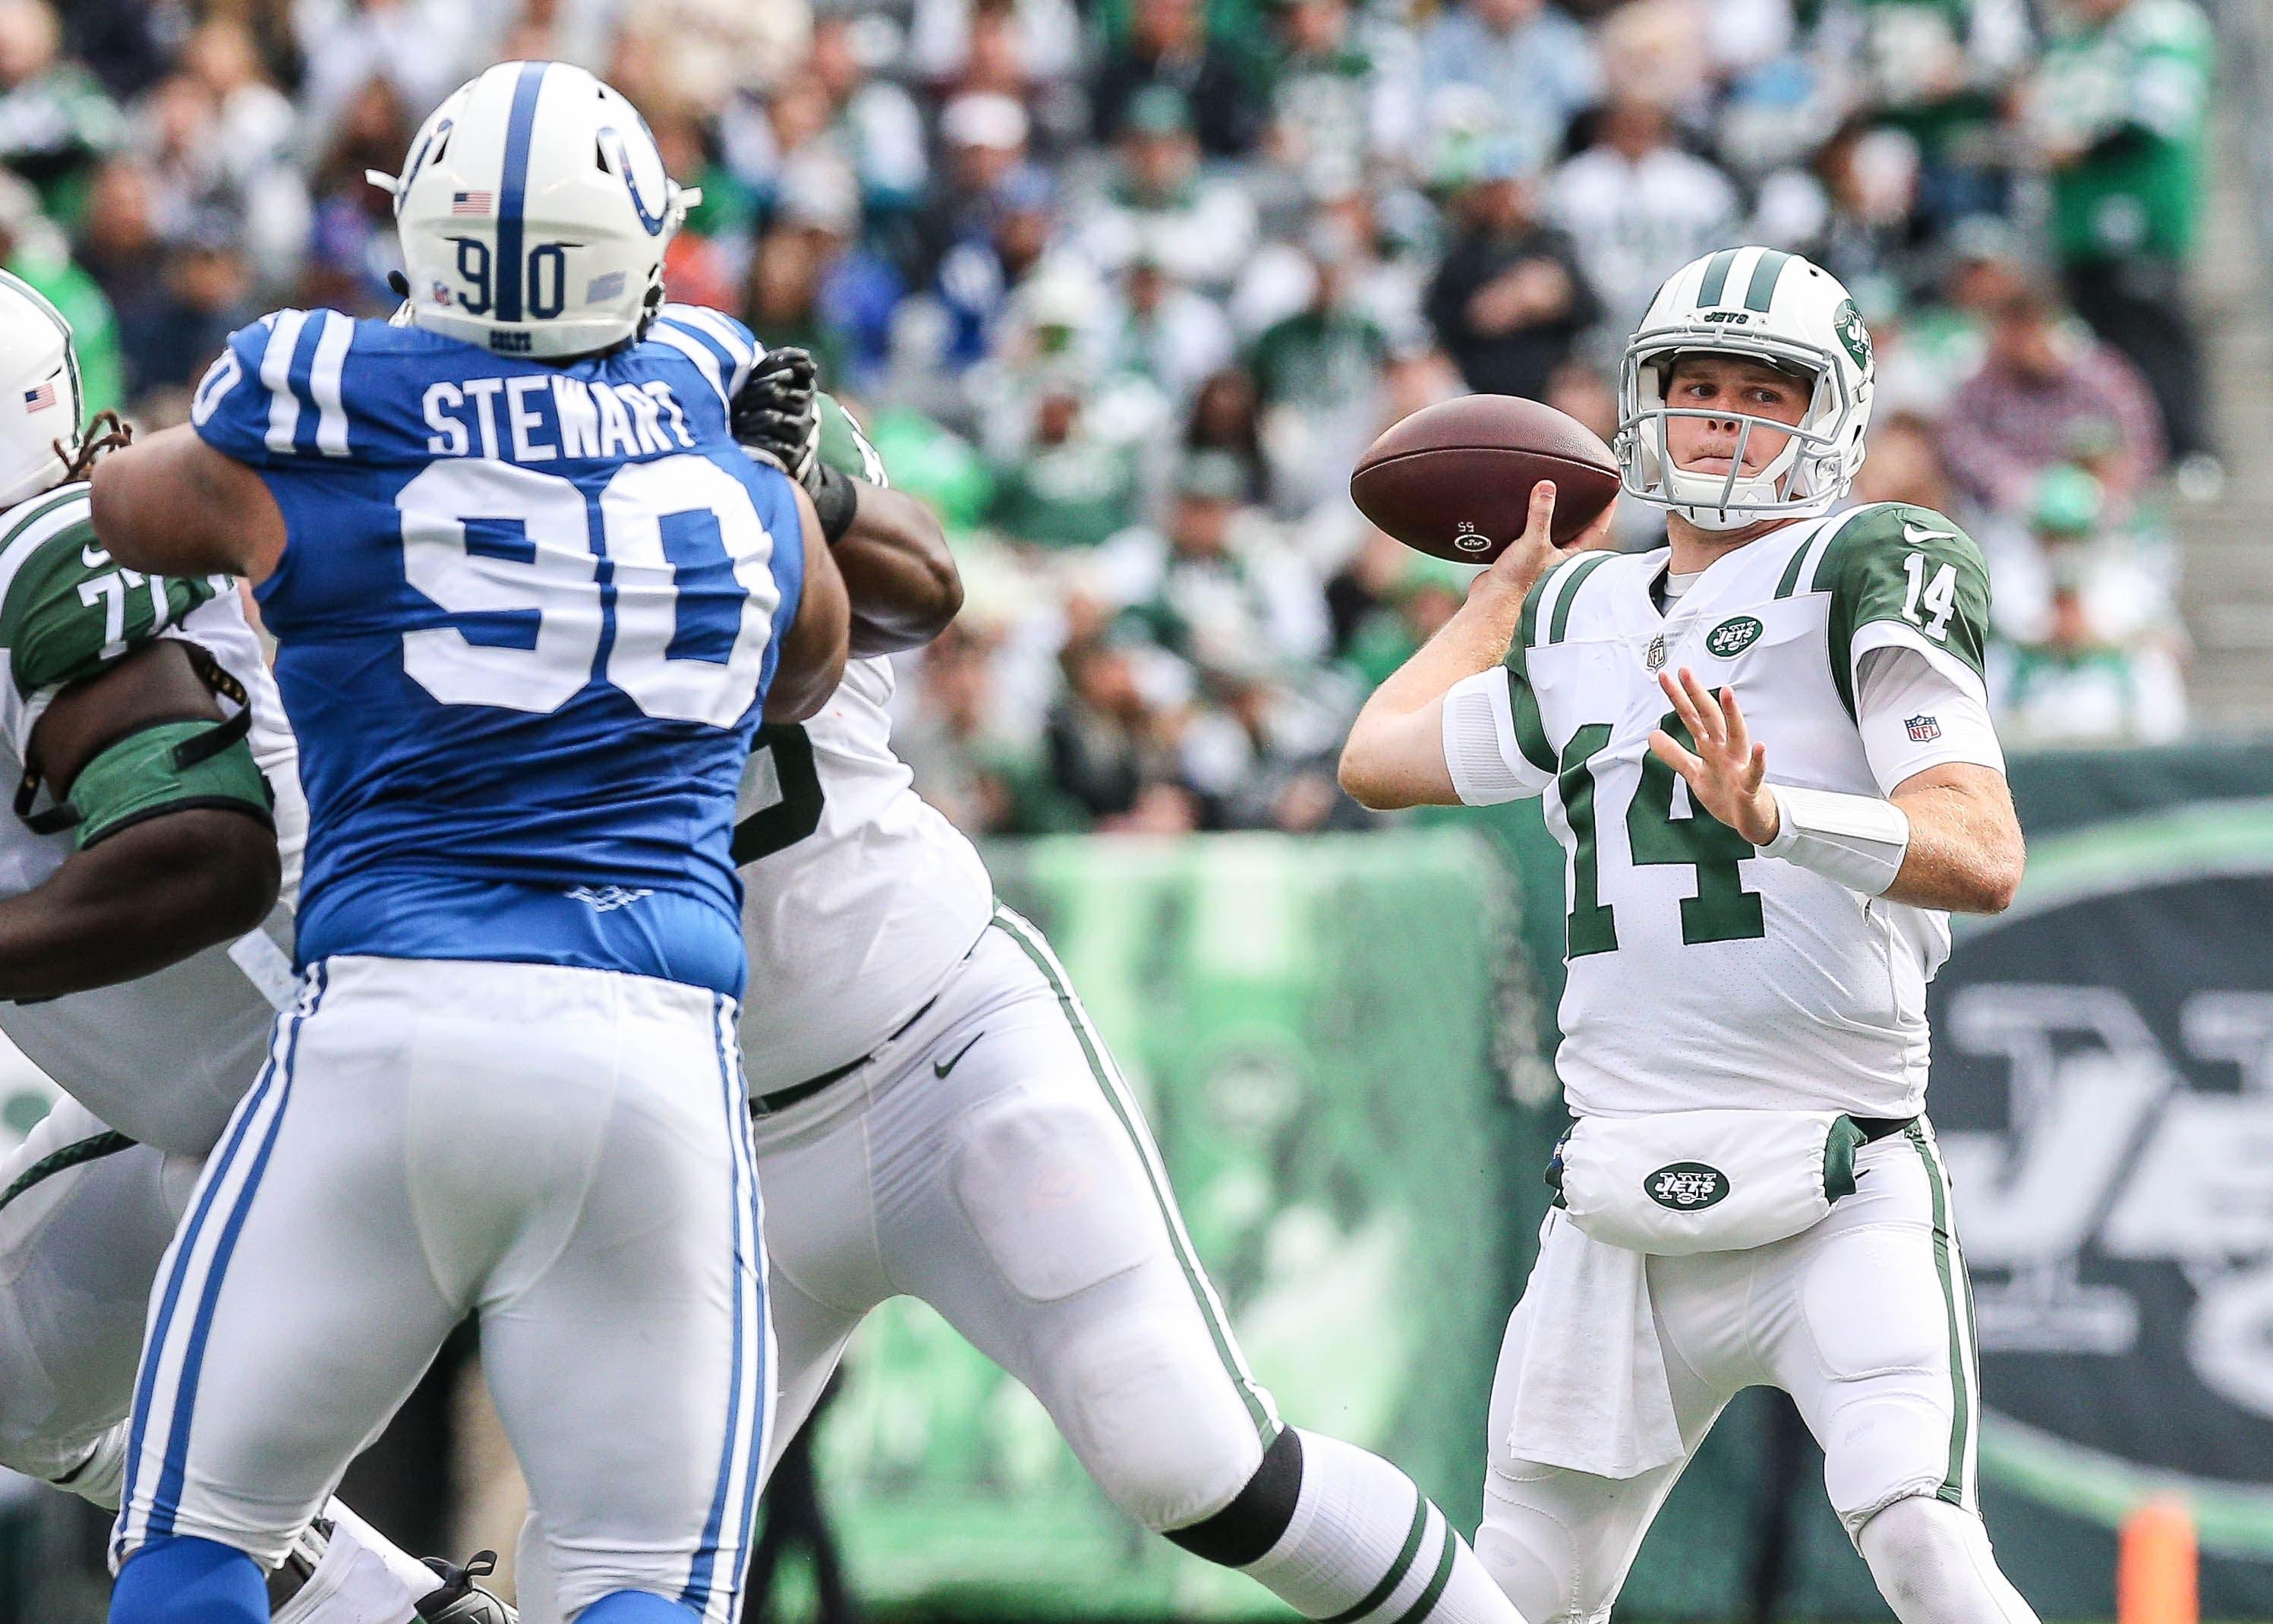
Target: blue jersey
<point>526,618</point>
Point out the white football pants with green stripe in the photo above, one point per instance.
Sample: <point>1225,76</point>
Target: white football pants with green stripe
<point>1866,1319</point>
<point>991,1160</point>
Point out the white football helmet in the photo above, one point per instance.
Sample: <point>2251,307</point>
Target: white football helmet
<point>534,212</point>
<point>1764,306</point>
<point>40,401</point>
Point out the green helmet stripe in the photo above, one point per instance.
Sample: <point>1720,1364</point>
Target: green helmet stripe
<point>1766,275</point>
<point>1717,277</point>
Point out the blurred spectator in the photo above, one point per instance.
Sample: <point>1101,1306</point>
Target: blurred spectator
<point>1936,72</point>
<point>981,271</point>
<point>1067,486</point>
<point>1509,301</point>
<point>1226,417</point>
<point>2093,663</point>
<point>2046,388</point>
<point>1168,336</point>
<point>1111,744</point>
<point>1219,585</point>
<point>418,49</point>
<point>983,138</point>
<point>352,246</point>
<point>2120,112</point>
<point>31,247</point>
<point>1341,95</point>
<point>1046,35</point>
<point>1317,373</point>
<point>56,122</point>
<point>1168,47</point>
<point>875,122</point>
<point>1202,227</point>
<point>1639,208</point>
<point>1533,65</point>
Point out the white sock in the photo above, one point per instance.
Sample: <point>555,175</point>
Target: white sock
<point>351,1584</point>
<point>1934,1565</point>
<point>1364,1547</point>
<point>360,1577</point>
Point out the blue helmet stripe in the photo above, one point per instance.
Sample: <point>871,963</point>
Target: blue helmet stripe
<point>512,190</point>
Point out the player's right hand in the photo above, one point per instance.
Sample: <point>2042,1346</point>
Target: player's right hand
<point>776,412</point>
<point>1534,553</point>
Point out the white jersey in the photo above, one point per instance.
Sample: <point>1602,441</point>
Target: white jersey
<point>165,1059</point>
<point>1701,973</point>
<point>858,897</point>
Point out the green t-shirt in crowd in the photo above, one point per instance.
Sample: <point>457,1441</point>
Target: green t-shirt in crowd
<point>2138,88</point>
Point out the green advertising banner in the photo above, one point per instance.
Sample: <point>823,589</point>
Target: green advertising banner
<point>1311,1027</point>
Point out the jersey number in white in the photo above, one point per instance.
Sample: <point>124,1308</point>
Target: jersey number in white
<point>539,591</point>
<point>1936,598</point>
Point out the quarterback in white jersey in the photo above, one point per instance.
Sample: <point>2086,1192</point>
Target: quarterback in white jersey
<point>1766,752</point>
<point>142,945</point>
<point>938,1117</point>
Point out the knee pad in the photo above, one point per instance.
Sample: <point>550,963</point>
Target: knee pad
<point>1143,1397</point>
<point>183,1581</point>
<point>1244,1531</point>
<point>1056,1193</point>
<point>1933,1563</point>
<point>1557,1543</point>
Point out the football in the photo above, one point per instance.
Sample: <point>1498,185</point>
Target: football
<point>1454,479</point>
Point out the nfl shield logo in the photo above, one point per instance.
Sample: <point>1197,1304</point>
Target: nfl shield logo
<point>1655,658</point>
<point>1924,729</point>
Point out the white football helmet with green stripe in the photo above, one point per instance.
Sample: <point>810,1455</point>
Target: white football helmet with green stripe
<point>40,403</point>
<point>1764,305</point>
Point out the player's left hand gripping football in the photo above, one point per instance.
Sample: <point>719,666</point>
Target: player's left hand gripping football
<point>1726,771</point>
<point>776,412</point>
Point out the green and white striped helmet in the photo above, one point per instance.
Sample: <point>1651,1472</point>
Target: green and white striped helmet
<point>40,402</point>
<point>1764,306</point>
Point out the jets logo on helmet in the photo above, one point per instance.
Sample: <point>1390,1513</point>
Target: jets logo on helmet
<point>39,373</point>
<point>529,213</point>
<point>1764,305</point>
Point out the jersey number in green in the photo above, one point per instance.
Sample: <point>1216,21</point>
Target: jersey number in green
<point>1721,911</point>
<point>798,813</point>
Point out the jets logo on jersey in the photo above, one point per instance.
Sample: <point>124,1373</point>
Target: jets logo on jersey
<point>1731,638</point>
<point>1687,1186</point>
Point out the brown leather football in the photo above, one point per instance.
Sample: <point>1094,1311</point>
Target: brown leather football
<point>1454,479</point>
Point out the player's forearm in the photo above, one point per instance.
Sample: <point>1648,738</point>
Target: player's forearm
<point>901,578</point>
<point>1965,853</point>
<point>1395,756</point>
<point>147,898</point>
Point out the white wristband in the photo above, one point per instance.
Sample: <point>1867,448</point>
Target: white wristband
<point>1857,840</point>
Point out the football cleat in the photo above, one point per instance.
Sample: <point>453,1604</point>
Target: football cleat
<point>462,1601</point>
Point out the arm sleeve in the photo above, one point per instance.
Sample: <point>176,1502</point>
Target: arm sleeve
<point>1494,743</point>
<point>1915,713</point>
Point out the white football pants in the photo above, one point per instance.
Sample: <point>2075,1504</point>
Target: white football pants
<point>563,1153</point>
<point>992,1162</point>
<point>1866,1319</point>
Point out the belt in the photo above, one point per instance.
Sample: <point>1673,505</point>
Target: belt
<point>1877,1128</point>
<point>781,1099</point>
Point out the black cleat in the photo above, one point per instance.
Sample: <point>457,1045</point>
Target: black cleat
<point>462,1601</point>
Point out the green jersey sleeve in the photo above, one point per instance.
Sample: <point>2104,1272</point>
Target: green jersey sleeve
<point>844,445</point>
<point>1913,571</point>
<point>66,610</point>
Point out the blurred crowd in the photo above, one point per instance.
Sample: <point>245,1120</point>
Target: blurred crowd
<point>1125,286</point>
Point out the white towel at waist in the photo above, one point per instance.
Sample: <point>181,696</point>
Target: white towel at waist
<point>1592,1394</point>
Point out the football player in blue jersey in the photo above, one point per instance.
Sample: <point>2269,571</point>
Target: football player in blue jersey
<point>530,600</point>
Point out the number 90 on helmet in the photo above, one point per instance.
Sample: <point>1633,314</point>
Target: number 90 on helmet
<point>1757,304</point>
<point>533,211</point>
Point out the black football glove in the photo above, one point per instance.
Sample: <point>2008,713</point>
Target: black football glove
<point>777,414</point>
<point>776,411</point>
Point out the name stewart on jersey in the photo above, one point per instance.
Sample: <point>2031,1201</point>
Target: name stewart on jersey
<point>526,616</point>
<point>537,419</point>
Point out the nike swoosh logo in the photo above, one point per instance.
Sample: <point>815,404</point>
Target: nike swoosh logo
<point>943,1067</point>
<point>1917,535</point>
<point>94,557</point>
